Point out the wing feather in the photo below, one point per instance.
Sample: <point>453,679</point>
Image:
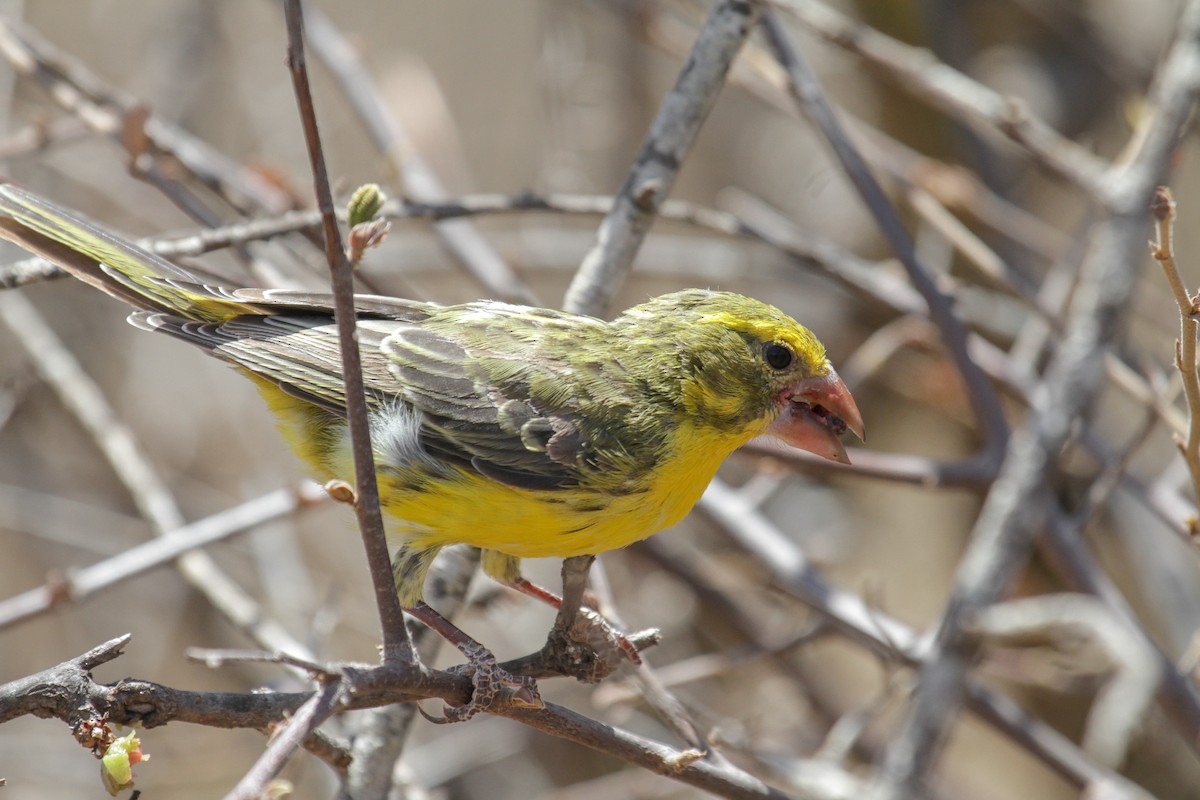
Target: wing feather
<point>486,382</point>
<point>491,392</point>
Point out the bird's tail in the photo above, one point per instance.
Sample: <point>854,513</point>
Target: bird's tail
<point>111,264</point>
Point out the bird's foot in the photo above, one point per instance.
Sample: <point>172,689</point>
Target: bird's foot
<point>592,649</point>
<point>490,681</point>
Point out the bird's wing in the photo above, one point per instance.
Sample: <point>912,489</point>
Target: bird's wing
<point>497,396</point>
<point>489,401</point>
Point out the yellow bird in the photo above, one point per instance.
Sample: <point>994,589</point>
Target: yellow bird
<point>526,432</point>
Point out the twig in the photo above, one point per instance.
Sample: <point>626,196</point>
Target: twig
<point>105,110</point>
<point>1163,250</point>
<point>41,136</point>
<point>286,741</point>
<point>881,634</point>
<point>216,658</point>
<point>761,75</point>
<point>1120,707</point>
<point>1177,695</point>
<point>397,648</point>
<point>28,271</point>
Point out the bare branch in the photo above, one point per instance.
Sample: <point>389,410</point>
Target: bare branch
<point>397,648</point>
<point>662,154</point>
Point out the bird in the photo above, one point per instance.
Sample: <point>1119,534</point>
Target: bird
<point>526,432</point>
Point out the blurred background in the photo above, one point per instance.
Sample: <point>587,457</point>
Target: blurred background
<point>554,96</point>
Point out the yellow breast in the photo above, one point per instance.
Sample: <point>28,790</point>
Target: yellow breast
<point>560,523</point>
<point>471,509</point>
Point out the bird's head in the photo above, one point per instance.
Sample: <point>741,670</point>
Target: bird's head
<point>748,368</point>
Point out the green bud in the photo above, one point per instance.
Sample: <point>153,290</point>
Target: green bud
<point>365,204</point>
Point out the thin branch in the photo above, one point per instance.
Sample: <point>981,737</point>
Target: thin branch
<point>952,92</point>
<point>1163,251</point>
<point>1177,695</point>
<point>286,740</point>
<point>882,634</point>
<point>810,97</point>
<point>397,648</point>
<point>105,110</point>
<point>1122,705</point>
<point>761,76</point>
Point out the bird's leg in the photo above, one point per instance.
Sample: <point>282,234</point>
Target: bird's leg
<point>582,643</point>
<point>409,567</point>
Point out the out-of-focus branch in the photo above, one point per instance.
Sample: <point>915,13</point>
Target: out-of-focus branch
<point>104,109</point>
<point>661,155</point>
<point>761,75</point>
<point>83,583</point>
<point>1122,705</point>
<point>881,633</point>
<point>81,396</point>
<point>421,183</point>
<point>810,98</point>
<point>960,97</point>
<point>1015,508</point>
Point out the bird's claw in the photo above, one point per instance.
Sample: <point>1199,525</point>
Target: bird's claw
<point>489,681</point>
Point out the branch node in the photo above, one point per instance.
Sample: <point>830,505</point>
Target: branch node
<point>341,492</point>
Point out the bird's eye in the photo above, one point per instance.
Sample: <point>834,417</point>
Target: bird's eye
<point>778,356</point>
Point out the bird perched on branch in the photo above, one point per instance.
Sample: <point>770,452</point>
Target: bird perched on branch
<point>526,432</point>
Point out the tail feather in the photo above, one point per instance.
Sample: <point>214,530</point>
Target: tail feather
<point>151,283</point>
<point>111,264</point>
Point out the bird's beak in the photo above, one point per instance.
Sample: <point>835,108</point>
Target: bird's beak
<point>816,411</point>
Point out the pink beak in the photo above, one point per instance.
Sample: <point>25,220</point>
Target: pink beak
<point>816,411</point>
